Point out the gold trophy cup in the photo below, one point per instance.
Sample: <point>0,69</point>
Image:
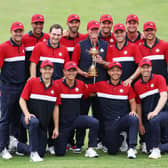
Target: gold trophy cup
<point>92,69</point>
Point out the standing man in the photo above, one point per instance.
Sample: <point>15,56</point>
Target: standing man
<point>106,24</point>
<point>151,90</point>
<point>118,107</point>
<point>12,64</point>
<point>133,35</point>
<point>126,53</point>
<point>51,50</point>
<point>155,49</point>
<point>34,36</point>
<point>83,58</point>
<point>73,23</point>
<point>72,91</point>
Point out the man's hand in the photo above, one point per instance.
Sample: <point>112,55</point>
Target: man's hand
<point>85,74</point>
<point>133,113</point>
<point>98,59</point>
<point>141,129</point>
<point>28,117</point>
<point>65,33</point>
<point>127,82</point>
<point>55,133</point>
<point>151,115</point>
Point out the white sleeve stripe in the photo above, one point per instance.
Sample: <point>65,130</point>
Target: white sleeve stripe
<point>110,96</point>
<point>122,59</point>
<point>149,93</point>
<point>71,96</point>
<point>54,60</point>
<point>15,59</point>
<point>43,97</point>
<point>29,48</point>
<point>155,57</point>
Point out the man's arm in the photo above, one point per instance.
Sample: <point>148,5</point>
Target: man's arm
<point>132,103</point>
<point>56,122</point>
<point>132,77</point>
<point>33,70</point>
<point>141,127</point>
<point>23,106</point>
<point>162,101</point>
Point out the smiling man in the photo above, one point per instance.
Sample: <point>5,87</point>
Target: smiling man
<point>106,24</point>
<point>51,50</point>
<point>72,91</point>
<point>73,35</point>
<point>34,36</point>
<point>39,102</point>
<point>12,64</point>
<point>118,108</point>
<point>152,109</point>
<point>133,35</point>
<point>155,49</point>
<point>124,52</point>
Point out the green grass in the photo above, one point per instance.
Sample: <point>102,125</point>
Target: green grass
<point>79,161</point>
<point>56,11</point>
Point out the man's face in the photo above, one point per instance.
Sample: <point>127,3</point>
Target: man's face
<point>119,35</point>
<point>47,72</point>
<point>146,71</point>
<point>150,34</point>
<point>55,36</point>
<point>106,26</point>
<point>17,35</point>
<point>132,26</point>
<point>70,74</point>
<point>93,33</point>
<point>74,26</point>
<point>115,73</point>
<point>37,27</point>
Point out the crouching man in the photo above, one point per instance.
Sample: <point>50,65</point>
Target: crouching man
<point>72,91</point>
<point>118,107</point>
<point>151,90</point>
<point>39,102</point>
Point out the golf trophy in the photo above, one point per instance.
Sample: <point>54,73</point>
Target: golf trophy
<point>92,70</point>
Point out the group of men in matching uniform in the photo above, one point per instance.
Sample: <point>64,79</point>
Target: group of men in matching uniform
<point>46,87</point>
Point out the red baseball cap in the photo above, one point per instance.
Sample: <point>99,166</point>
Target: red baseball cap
<point>17,25</point>
<point>46,63</point>
<point>145,61</point>
<point>113,64</point>
<point>119,26</point>
<point>149,25</point>
<point>93,24</point>
<point>37,18</point>
<point>132,17</point>
<point>73,17</point>
<point>70,64</point>
<point>106,18</point>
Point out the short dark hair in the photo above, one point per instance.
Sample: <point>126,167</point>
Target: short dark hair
<point>56,26</point>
